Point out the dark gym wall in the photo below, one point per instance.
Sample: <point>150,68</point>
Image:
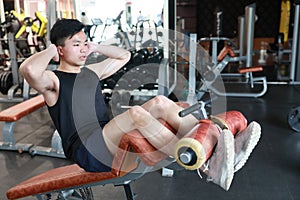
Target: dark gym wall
<point>267,25</point>
<point>9,5</point>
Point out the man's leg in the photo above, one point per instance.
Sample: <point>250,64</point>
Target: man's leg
<point>136,118</point>
<point>244,142</point>
<point>220,167</point>
<point>144,118</point>
<point>162,107</point>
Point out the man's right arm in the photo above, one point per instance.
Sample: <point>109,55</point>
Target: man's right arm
<point>34,70</point>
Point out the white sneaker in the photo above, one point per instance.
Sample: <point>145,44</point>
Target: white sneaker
<point>245,141</point>
<point>221,164</point>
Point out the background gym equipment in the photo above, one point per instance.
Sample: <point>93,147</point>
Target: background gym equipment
<point>96,22</point>
<point>6,78</point>
<point>293,119</point>
<point>21,39</point>
<point>294,71</point>
<point>210,71</point>
<point>146,34</point>
<point>287,51</point>
<point>38,31</point>
<point>55,150</point>
<point>137,81</point>
<point>119,36</point>
<point>294,115</point>
<point>12,84</point>
<point>12,115</point>
<point>285,19</point>
<point>16,50</point>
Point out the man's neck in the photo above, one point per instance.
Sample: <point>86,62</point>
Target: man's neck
<point>72,69</point>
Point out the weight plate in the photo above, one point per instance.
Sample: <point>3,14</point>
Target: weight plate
<point>5,82</point>
<point>1,75</point>
<point>294,119</point>
<point>9,80</point>
<point>2,82</point>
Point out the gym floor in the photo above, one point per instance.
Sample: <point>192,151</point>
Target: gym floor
<point>272,172</point>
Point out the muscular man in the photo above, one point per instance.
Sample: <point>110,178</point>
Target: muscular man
<point>74,99</point>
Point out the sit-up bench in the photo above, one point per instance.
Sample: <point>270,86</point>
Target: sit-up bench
<point>72,178</point>
<point>14,113</point>
<point>126,168</point>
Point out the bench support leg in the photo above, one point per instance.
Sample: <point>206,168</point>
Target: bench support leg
<point>8,133</point>
<point>128,191</point>
<point>9,140</point>
<point>9,143</point>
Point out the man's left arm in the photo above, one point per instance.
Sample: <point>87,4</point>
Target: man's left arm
<point>116,58</point>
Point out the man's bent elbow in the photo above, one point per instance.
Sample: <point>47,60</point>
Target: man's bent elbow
<point>26,70</point>
<point>126,56</point>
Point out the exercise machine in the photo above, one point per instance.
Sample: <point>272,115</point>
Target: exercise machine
<point>148,34</point>
<point>96,22</point>
<point>213,70</point>
<point>37,37</point>
<point>287,52</point>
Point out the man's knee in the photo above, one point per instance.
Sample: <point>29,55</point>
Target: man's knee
<point>139,115</point>
<point>160,105</point>
<point>160,99</point>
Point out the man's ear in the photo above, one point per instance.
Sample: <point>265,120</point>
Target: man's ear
<point>59,50</point>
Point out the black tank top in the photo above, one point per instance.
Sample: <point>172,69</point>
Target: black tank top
<point>80,108</point>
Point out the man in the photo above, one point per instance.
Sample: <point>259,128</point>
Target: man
<point>74,98</point>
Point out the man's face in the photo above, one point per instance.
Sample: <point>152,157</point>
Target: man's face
<point>75,51</point>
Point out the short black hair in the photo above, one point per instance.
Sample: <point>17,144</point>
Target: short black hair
<point>63,29</point>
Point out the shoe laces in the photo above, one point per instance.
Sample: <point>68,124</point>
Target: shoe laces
<point>206,166</point>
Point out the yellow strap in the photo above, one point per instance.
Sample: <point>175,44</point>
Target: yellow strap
<point>285,19</point>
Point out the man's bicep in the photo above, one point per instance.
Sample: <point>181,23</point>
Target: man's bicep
<point>107,67</point>
<point>45,82</point>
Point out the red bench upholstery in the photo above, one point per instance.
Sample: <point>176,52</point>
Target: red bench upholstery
<point>22,109</point>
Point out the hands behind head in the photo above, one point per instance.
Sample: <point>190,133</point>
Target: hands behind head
<point>56,56</point>
<point>91,47</point>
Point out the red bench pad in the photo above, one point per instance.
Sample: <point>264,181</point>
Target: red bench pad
<point>55,179</point>
<point>22,109</point>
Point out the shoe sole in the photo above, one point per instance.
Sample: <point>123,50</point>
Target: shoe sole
<point>228,169</point>
<point>253,140</point>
